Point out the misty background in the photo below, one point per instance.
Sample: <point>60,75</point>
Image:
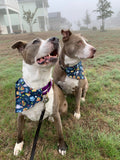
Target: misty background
<point>75,11</point>
<point>24,16</point>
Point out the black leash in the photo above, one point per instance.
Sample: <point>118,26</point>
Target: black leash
<point>45,100</point>
<point>36,135</point>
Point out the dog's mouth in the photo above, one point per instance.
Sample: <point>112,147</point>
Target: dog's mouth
<point>93,53</point>
<point>92,56</point>
<point>50,58</point>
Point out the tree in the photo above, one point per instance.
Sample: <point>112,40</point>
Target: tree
<point>28,16</point>
<point>104,10</point>
<point>87,20</point>
<point>78,24</point>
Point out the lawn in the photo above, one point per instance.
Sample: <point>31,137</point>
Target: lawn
<point>96,136</point>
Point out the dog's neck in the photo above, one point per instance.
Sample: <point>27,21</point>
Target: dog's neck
<point>70,61</point>
<point>36,77</point>
<point>66,60</point>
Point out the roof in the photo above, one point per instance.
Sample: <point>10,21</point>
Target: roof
<point>45,1</point>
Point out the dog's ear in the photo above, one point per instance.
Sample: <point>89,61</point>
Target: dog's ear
<point>66,34</point>
<point>20,45</point>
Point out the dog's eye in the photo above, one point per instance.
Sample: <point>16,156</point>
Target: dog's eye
<point>79,42</point>
<point>86,41</point>
<point>36,41</point>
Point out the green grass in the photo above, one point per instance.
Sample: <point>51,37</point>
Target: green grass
<point>96,136</point>
<point>93,144</point>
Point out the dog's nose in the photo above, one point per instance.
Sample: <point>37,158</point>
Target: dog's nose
<point>94,50</point>
<point>54,39</point>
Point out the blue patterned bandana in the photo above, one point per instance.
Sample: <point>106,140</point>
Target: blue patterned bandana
<point>75,72</point>
<point>27,97</point>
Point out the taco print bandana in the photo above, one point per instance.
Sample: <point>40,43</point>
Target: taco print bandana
<point>75,72</point>
<point>27,97</point>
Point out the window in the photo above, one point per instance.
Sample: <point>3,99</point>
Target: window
<point>41,21</point>
<point>39,3</point>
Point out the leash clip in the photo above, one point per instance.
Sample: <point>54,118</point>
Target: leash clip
<point>45,99</point>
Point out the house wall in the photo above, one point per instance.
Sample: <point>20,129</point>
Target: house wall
<point>15,20</point>
<point>2,20</point>
<point>3,27</point>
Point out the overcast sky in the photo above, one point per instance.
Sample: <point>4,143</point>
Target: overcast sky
<point>75,10</point>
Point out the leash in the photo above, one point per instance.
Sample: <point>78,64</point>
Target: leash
<point>45,100</point>
<point>26,98</point>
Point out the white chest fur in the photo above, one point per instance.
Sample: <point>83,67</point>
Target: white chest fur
<point>68,85</point>
<point>37,77</point>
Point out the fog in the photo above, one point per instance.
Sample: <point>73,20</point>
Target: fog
<point>75,10</point>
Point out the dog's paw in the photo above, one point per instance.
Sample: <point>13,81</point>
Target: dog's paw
<point>83,99</point>
<point>51,119</point>
<point>77,115</point>
<point>62,152</point>
<point>18,148</point>
<point>62,148</point>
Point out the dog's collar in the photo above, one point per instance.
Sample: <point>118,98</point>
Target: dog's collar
<point>75,72</point>
<point>27,97</point>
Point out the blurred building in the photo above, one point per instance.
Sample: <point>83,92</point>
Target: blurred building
<point>11,15</point>
<point>54,20</point>
<point>57,22</point>
<point>7,9</point>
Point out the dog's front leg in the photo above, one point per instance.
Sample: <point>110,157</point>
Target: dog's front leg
<point>62,147</point>
<point>84,90</point>
<point>20,125</point>
<point>78,98</point>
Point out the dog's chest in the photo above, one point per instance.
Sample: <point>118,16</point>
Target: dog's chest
<point>69,85</point>
<point>35,112</point>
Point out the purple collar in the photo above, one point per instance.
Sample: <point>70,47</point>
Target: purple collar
<point>47,88</point>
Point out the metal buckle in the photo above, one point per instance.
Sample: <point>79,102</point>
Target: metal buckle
<point>45,99</point>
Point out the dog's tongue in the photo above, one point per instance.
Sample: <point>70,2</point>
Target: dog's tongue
<point>43,60</point>
<point>46,59</point>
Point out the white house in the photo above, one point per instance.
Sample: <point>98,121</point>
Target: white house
<point>7,9</point>
<point>11,15</point>
<point>41,15</point>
